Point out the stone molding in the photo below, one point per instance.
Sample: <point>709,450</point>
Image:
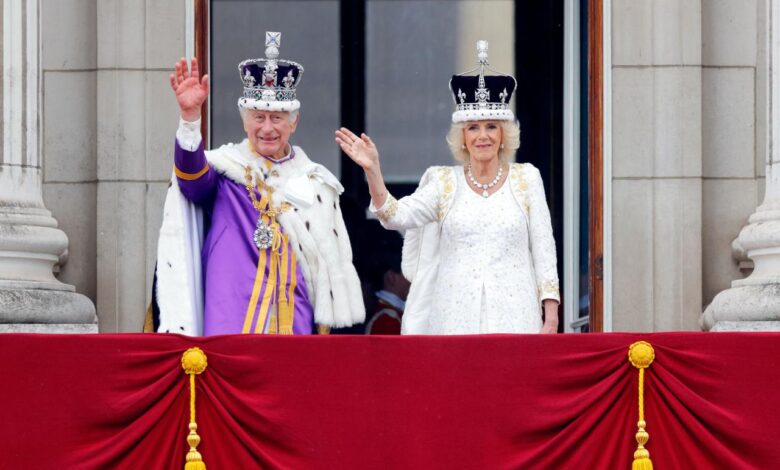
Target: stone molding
<point>31,244</point>
<point>753,303</point>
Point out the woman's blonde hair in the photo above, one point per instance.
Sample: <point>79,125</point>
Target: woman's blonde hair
<point>510,132</point>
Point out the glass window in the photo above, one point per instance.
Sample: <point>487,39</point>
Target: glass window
<point>412,50</point>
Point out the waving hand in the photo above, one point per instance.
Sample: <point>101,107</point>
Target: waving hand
<point>190,88</point>
<point>360,149</point>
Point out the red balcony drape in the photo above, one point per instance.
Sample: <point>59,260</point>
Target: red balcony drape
<point>339,402</point>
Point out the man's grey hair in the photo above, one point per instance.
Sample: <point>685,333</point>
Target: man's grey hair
<point>293,115</point>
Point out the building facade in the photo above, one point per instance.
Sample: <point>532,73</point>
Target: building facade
<point>686,133</point>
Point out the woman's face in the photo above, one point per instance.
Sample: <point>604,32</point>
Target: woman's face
<point>482,139</point>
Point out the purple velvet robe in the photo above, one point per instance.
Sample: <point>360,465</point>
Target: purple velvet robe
<point>230,256</point>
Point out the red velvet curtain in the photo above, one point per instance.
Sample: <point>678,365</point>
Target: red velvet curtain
<point>473,402</point>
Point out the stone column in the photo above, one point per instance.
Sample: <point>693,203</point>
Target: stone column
<point>753,303</point>
<point>137,117</point>
<point>656,164</point>
<point>31,298</point>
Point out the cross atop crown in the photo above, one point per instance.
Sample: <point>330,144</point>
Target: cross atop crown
<point>273,41</point>
<point>482,52</point>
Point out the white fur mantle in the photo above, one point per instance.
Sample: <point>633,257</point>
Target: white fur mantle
<point>315,228</point>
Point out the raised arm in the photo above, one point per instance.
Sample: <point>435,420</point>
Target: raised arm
<point>412,211</point>
<point>363,152</point>
<point>195,178</point>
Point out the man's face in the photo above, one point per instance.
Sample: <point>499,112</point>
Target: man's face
<point>269,132</point>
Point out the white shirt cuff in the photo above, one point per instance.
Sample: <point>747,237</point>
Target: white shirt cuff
<point>188,134</point>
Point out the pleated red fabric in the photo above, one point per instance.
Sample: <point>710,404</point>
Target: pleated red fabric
<point>341,402</point>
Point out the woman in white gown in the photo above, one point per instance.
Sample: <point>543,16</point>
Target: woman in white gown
<point>479,248</point>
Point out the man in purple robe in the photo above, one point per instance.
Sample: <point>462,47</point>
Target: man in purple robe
<point>252,240</point>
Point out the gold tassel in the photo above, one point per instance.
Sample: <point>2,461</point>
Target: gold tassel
<point>193,361</point>
<point>285,331</point>
<point>273,324</point>
<point>641,354</point>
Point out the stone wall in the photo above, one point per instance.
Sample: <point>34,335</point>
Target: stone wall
<point>69,105</point>
<point>32,243</point>
<point>688,150</point>
<point>656,164</point>
<point>688,147</point>
<point>109,121</point>
<point>734,130</point>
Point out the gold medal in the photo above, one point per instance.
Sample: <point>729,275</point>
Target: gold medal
<point>267,232</point>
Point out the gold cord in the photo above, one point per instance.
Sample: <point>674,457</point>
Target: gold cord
<point>194,362</point>
<point>282,322</point>
<point>641,354</point>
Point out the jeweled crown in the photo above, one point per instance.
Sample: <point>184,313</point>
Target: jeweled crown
<point>482,97</point>
<point>270,83</point>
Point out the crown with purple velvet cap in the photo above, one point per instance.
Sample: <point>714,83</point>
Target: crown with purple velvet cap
<point>482,97</point>
<point>270,83</point>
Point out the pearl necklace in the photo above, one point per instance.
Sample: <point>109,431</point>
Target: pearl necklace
<point>485,187</point>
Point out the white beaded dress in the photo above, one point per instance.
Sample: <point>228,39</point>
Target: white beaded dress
<point>495,256</point>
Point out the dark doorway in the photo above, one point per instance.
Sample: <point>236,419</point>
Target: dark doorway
<point>342,68</point>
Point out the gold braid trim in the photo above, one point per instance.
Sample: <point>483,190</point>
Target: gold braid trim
<point>447,186</point>
<point>270,287</point>
<point>287,308</point>
<point>252,307</point>
<point>549,290</point>
<point>389,209</point>
<point>641,354</point>
<point>190,176</point>
<point>520,184</point>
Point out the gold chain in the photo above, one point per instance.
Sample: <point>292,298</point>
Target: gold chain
<point>271,212</point>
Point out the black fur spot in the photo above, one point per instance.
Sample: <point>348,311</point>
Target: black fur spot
<point>300,247</point>
<point>295,209</point>
<point>331,294</point>
<point>169,264</point>
<point>181,328</point>
<point>335,232</point>
<point>307,225</point>
<point>319,198</point>
<point>334,205</point>
<point>167,331</point>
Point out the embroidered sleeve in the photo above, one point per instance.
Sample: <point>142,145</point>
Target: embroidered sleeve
<point>387,212</point>
<point>412,211</point>
<point>541,238</point>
